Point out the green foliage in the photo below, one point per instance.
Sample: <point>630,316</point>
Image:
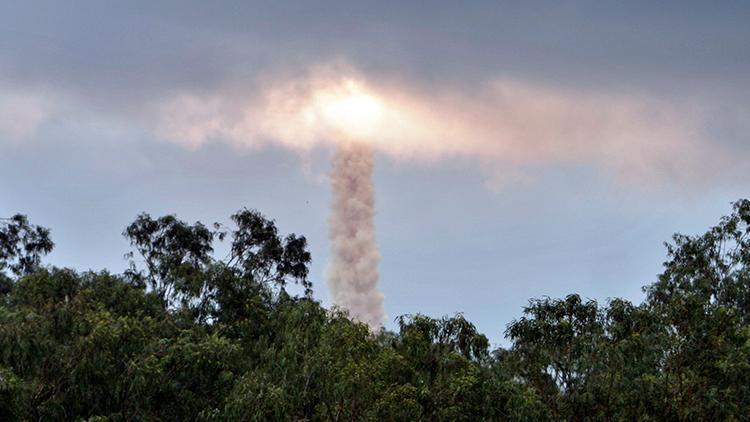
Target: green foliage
<point>702,302</point>
<point>259,253</point>
<point>557,349</point>
<point>22,245</point>
<point>178,257</point>
<point>174,252</point>
<point>192,337</point>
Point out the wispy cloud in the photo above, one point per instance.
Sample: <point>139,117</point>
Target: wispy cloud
<point>504,124</point>
<point>21,113</point>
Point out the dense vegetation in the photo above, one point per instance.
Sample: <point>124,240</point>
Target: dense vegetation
<point>182,335</point>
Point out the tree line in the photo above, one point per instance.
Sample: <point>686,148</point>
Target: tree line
<point>185,335</point>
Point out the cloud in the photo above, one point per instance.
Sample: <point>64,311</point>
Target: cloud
<point>504,124</point>
<point>21,113</point>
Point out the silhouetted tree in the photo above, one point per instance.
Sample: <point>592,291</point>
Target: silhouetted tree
<point>185,336</point>
<point>22,245</point>
<point>175,254</point>
<point>260,253</point>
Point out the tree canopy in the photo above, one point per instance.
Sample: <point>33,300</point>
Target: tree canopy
<point>184,335</point>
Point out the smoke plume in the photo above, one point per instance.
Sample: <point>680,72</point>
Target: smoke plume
<point>353,266</point>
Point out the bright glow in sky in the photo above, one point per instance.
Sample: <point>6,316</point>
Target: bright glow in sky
<point>348,108</point>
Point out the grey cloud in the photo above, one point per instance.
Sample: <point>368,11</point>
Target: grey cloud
<point>124,51</point>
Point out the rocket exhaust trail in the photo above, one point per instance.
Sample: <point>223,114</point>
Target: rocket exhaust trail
<point>353,266</point>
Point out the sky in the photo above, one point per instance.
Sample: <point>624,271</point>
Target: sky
<point>530,148</point>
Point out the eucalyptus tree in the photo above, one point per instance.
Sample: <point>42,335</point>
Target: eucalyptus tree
<point>22,245</point>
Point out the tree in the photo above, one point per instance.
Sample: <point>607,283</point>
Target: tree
<point>702,303</point>
<point>557,347</point>
<point>22,246</point>
<point>446,359</point>
<point>259,253</point>
<point>180,267</point>
<point>630,386</point>
<point>175,254</point>
<point>191,337</point>
<point>712,270</point>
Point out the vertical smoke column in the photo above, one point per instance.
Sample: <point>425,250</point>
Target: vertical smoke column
<point>353,266</point>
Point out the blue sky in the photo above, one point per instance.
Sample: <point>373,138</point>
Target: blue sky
<point>80,152</point>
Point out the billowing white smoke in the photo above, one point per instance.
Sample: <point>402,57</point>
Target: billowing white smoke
<point>353,264</point>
